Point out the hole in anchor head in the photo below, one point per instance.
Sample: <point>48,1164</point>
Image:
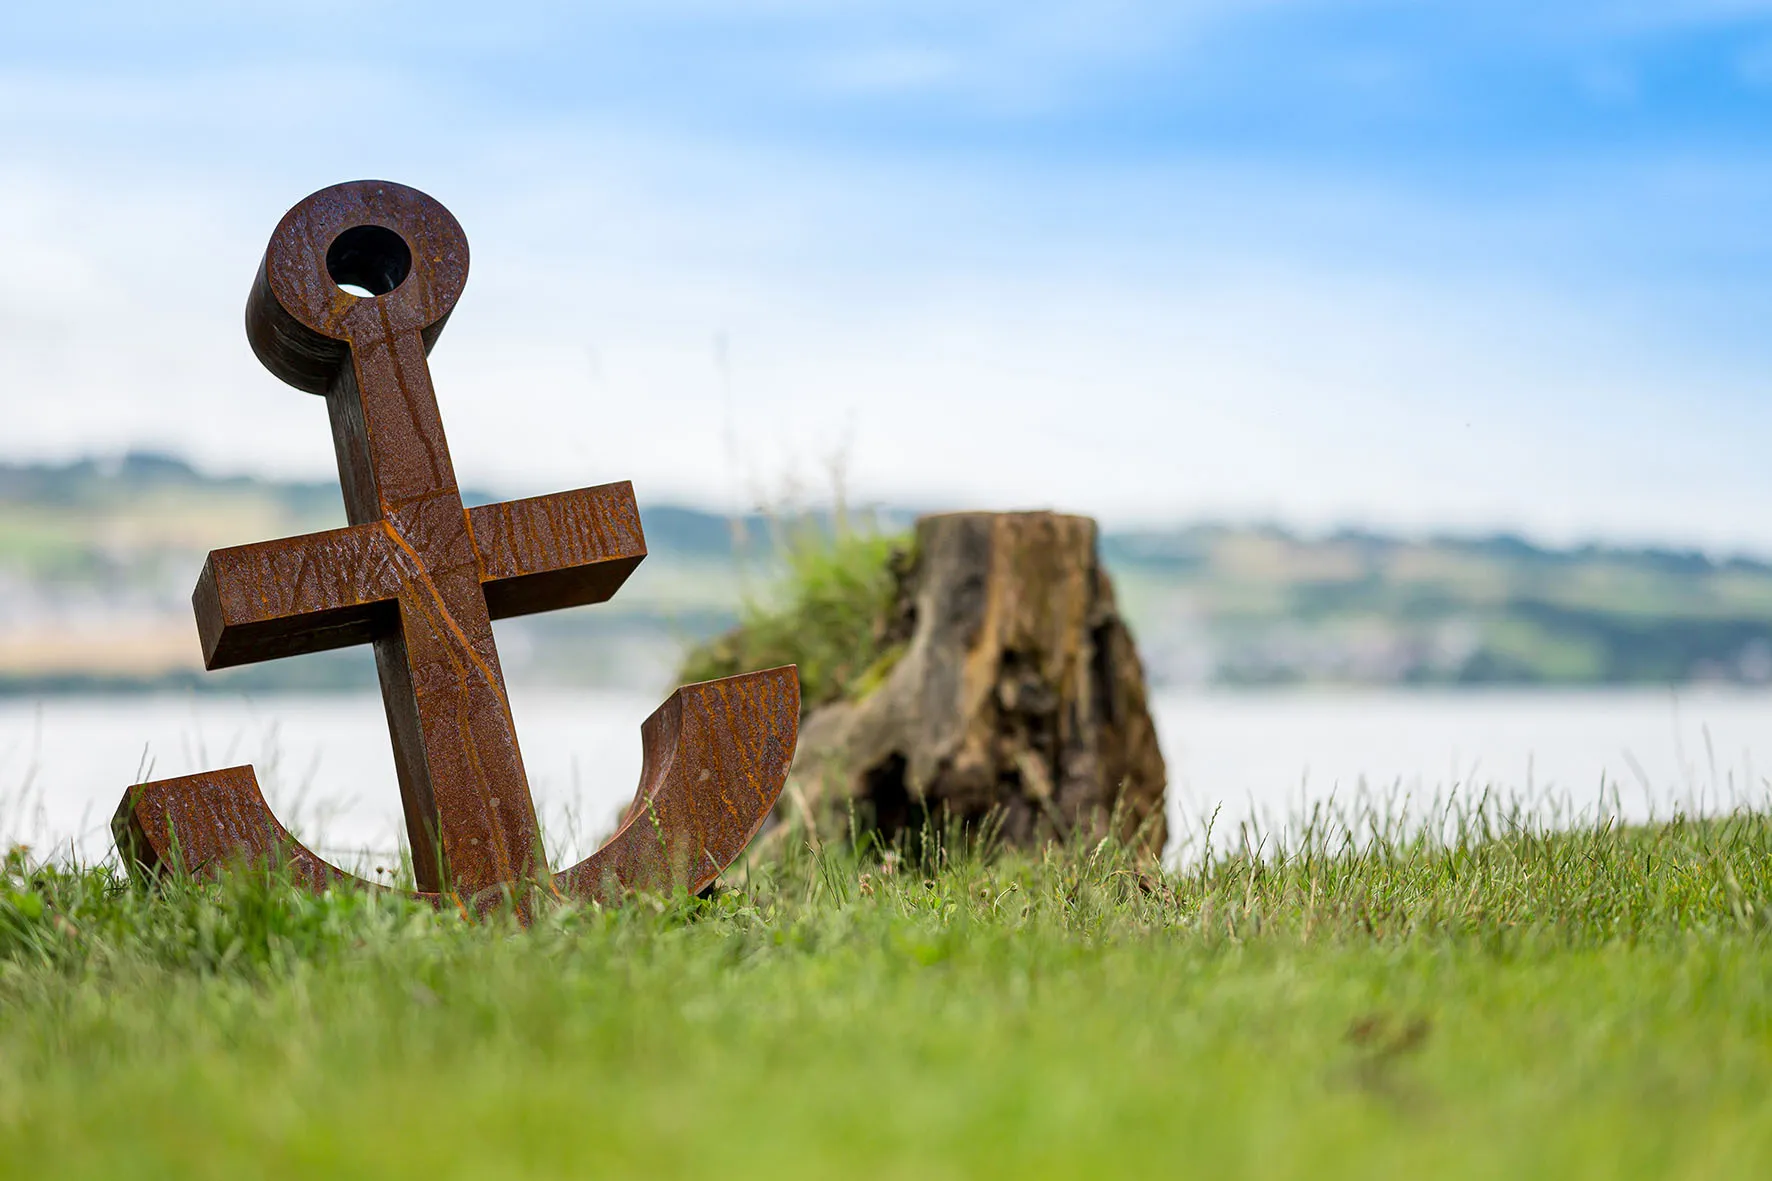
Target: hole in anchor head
<point>367,261</point>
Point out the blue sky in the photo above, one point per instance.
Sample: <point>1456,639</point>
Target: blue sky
<point>1463,267</point>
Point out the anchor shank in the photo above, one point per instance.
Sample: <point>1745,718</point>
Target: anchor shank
<point>470,817</point>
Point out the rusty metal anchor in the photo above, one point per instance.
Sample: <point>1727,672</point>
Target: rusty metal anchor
<point>353,292</point>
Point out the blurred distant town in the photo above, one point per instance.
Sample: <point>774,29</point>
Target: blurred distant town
<point>98,557</point>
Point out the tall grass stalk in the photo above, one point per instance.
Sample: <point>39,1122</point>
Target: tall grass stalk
<point>822,611</point>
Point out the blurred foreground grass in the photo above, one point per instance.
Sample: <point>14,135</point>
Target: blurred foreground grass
<point>1495,1001</point>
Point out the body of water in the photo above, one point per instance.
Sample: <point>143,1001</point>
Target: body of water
<point>1247,756</point>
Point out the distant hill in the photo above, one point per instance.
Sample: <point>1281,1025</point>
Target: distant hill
<point>1264,606</point>
<point>97,560</point>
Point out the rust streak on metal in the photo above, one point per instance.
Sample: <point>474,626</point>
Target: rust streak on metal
<point>352,294</point>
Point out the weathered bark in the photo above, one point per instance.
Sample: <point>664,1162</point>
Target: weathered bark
<point>1018,694</point>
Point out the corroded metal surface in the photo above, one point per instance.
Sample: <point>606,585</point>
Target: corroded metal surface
<point>354,289</point>
<point>716,755</point>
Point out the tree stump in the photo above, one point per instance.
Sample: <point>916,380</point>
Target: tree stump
<point>1012,690</point>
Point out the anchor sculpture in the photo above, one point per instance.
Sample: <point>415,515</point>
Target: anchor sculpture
<point>353,292</point>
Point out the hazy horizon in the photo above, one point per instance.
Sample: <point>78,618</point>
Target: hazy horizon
<point>824,500</point>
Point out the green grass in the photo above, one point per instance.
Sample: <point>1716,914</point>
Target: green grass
<point>1493,1002</point>
<point>826,611</point>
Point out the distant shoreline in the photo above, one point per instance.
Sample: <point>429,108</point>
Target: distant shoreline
<point>97,557</point>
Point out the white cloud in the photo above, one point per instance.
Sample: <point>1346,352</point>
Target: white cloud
<point>1192,332</point>
<point>1191,380</point>
<point>892,68</point>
